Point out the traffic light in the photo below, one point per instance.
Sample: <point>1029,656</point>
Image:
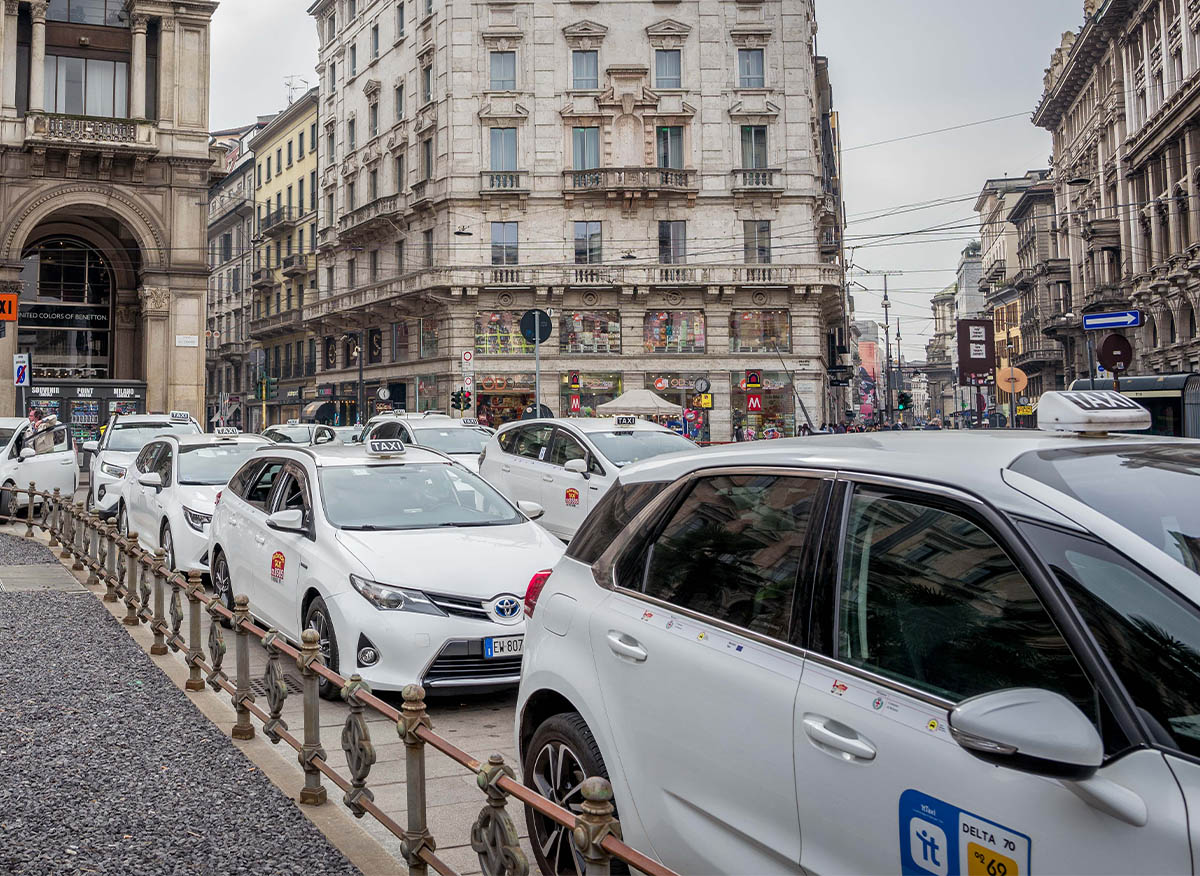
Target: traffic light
<point>272,387</point>
<point>905,401</point>
<point>466,399</point>
<point>457,400</point>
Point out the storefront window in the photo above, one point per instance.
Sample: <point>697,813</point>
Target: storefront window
<point>674,331</point>
<point>590,331</point>
<point>426,397</point>
<point>375,346</point>
<point>400,351</point>
<point>759,331</point>
<point>769,412</point>
<point>680,389</point>
<point>501,398</point>
<point>499,334</point>
<point>593,389</point>
<point>430,331</point>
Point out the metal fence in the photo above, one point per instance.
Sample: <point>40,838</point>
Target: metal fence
<point>156,596</point>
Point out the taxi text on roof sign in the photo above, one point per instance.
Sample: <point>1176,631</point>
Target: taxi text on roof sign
<point>1096,410</point>
<point>293,422</point>
<point>227,431</point>
<point>385,446</point>
<point>626,421</point>
<point>180,416</point>
<point>469,421</point>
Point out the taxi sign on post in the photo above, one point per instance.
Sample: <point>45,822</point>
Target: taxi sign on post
<point>1092,410</point>
<point>180,416</point>
<point>227,431</point>
<point>626,421</point>
<point>384,446</point>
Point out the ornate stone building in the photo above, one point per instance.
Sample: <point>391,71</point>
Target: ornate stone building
<point>662,178</point>
<point>1121,99</point>
<point>104,170</point>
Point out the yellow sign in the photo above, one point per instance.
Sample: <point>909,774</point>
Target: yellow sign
<point>982,861</point>
<point>706,400</point>
<point>1024,410</point>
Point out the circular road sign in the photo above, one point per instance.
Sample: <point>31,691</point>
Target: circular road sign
<point>468,381</point>
<point>536,326</point>
<point>1011,380</point>
<point>702,385</point>
<point>1115,353</point>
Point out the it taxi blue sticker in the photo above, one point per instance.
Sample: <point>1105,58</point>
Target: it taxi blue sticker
<point>939,839</point>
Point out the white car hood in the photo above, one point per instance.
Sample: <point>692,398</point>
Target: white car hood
<point>482,561</point>
<point>118,457</point>
<point>470,460</point>
<point>199,498</point>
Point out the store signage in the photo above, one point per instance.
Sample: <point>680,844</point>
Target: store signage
<point>706,400</point>
<point>754,403</point>
<point>43,391</point>
<point>326,390</point>
<point>573,379</point>
<point>187,340</point>
<point>754,380</point>
<point>976,346</point>
<point>64,316</point>
<point>124,392</point>
<point>8,306</point>
<point>293,394</point>
<point>505,383</point>
<point>575,404</point>
<point>350,388</point>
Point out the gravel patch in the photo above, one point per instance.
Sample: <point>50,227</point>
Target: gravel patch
<point>17,551</point>
<point>109,769</point>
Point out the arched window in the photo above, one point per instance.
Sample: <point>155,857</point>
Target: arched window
<point>1153,324</point>
<point>1171,329</point>
<point>1189,319</point>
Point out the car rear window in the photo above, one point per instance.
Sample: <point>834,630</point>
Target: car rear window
<point>620,504</point>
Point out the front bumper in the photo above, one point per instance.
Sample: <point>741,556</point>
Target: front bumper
<point>191,548</point>
<point>106,492</point>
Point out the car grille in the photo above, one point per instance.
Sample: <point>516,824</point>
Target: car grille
<point>460,606</point>
<point>463,663</point>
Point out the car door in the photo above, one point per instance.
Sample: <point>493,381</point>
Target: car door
<point>698,679</point>
<point>567,492</point>
<point>154,500</point>
<point>927,600</point>
<point>42,468</point>
<point>249,562</point>
<point>286,554</point>
<point>522,469</point>
<point>59,469</point>
<point>138,497</point>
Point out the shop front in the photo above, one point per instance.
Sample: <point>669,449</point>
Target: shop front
<point>768,411</point>
<point>681,389</point>
<point>502,398</point>
<point>425,394</point>
<point>581,392</point>
<point>382,397</point>
<point>291,403</point>
<point>85,407</point>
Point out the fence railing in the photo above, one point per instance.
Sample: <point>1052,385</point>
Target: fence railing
<point>155,596</point>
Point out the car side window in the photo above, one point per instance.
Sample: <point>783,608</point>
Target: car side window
<point>928,598</point>
<point>292,494</point>
<point>242,479</point>
<point>732,550</point>
<point>564,449</point>
<point>162,463</point>
<point>508,439</point>
<point>534,442</point>
<point>139,463</point>
<point>148,456</point>
<point>44,442</point>
<point>323,435</point>
<point>619,505</point>
<point>264,480</point>
<point>388,430</point>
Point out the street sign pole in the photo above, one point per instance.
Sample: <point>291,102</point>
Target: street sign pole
<point>1091,364</point>
<point>537,376</point>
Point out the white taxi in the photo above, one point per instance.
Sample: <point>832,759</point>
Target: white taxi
<point>567,465</point>
<point>409,566</point>
<point>295,432</point>
<point>171,487</point>
<point>123,437</point>
<point>921,652</point>
<point>44,458</point>
<point>461,439</point>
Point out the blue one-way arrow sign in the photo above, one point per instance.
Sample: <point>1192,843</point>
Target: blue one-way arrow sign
<point>1114,319</point>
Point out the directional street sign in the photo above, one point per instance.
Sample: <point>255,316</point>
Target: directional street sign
<point>1113,319</point>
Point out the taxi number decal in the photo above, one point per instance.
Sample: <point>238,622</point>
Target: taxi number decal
<point>938,838</point>
<point>572,498</point>
<point>278,561</point>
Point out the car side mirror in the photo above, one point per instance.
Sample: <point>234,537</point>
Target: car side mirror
<point>579,466</point>
<point>1031,730</point>
<point>288,520</point>
<point>323,438</point>
<point>532,510</point>
<point>91,446</point>
<point>151,479</point>
<point>26,453</point>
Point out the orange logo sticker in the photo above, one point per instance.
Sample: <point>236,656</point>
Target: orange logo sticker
<point>278,561</point>
<point>572,498</point>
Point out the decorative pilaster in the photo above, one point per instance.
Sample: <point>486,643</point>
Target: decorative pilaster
<point>137,86</point>
<point>8,69</point>
<point>37,57</point>
<point>156,347</point>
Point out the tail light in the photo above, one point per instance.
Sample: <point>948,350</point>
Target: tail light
<point>217,501</point>
<point>534,590</point>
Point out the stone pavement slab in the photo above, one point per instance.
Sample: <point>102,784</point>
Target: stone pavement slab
<point>35,578</point>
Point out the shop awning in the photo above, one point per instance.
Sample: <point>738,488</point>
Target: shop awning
<point>639,403</point>
<point>318,411</point>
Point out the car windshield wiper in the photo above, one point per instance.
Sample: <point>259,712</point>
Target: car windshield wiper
<point>367,527</point>
<point>466,523</point>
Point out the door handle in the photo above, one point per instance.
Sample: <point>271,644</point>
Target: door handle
<point>827,733</point>
<point>626,646</point>
<point>259,539</point>
<point>505,468</point>
<point>548,479</point>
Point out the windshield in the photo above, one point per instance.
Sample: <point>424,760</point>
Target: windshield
<point>290,434</point>
<point>130,437</point>
<point>214,464</point>
<point>411,496</point>
<point>622,448</point>
<point>1149,489</point>
<point>454,440</point>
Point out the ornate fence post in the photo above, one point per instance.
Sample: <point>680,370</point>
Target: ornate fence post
<point>176,612</point>
<point>595,824</point>
<point>137,564</point>
<point>360,751</point>
<point>242,728</point>
<point>313,792</point>
<point>159,623</point>
<point>493,835</point>
<point>78,530</point>
<point>195,652</point>
<point>91,552</point>
<point>67,523</point>
<point>29,510</point>
<point>277,689</point>
<point>57,497</point>
<point>412,718</point>
<point>145,584</point>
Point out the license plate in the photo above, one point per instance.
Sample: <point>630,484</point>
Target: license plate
<point>503,646</point>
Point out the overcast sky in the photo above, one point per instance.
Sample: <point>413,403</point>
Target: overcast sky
<point>898,68</point>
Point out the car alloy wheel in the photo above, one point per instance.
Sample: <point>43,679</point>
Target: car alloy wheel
<point>222,584</point>
<point>122,520</point>
<point>317,618</point>
<point>168,546</point>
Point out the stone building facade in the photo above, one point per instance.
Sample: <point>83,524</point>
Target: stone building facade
<point>104,169</point>
<point>1121,98</point>
<point>662,178</point>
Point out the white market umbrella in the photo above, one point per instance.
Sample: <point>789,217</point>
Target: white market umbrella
<point>639,403</point>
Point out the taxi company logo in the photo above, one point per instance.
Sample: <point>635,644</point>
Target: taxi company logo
<point>933,724</point>
<point>877,704</point>
<point>670,623</point>
<point>572,498</point>
<point>701,636</point>
<point>839,687</point>
<point>646,615</point>
<point>278,561</point>
<point>507,607</point>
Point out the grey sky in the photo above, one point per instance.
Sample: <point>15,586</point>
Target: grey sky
<point>899,67</point>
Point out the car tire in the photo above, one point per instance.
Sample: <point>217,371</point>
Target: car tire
<point>562,753</point>
<point>317,618</point>
<point>168,545</point>
<point>222,584</point>
<point>122,520</point>
<point>88,503</point>
<point>6,500</point>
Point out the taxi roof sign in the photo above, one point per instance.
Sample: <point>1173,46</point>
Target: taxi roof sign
<point>626,421</point>
<point>294,421</point>
<point>1090,411</point>
<point>469,421</point>
<point>227,431</point>
<point>384,446</point>
<point>180,417</point>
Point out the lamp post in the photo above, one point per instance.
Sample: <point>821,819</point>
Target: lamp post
<point>357,334</point>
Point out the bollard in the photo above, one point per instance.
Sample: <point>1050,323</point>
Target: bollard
<point>159,624</point>
<point>133,569</point>
<point>195,651</point>
<point>54,518</point>
<point>29,510</point>
<point>242,728</point>
<point>595,824</point>
<point>418,838</point>
<point>313,792</point>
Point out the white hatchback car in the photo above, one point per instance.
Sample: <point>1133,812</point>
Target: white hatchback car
<point>461,439</point>
<point>567,465</point>
<point>408,565</point>
<point>123,437</point>
<point>921,652</point>
<point>170,491</point>
<point>44,458</point>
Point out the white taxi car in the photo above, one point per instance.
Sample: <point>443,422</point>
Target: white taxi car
<point>43,458</point>
<point>920,652</point>
<point>295,432</point>
<point>408,565</point>
<point>123,437</point>
<point>461,439</point>
<point>171,487</point>
<point>567,465</point>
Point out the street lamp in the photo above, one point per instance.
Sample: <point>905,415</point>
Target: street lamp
<point>358,339</point>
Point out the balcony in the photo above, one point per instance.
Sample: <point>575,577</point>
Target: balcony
<point>233,349</point>
<point>88,133</point>
<point>276,324</point>
<point>749,180</point>
<point>1039,358</point>
<point>1102,234</point>
<point>281,219</point>
<point>296,265</point>
<point>630,183</point>
<point>262,278</point>
<point>375,214</point>
<point>494,183</point>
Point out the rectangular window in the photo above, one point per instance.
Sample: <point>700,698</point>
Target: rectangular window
<point>750,68</point>
<point>589,331</point>
<point>399,256</point>
<point>330,144</point>
<point>312,136</point>
<point>268,168</point>
<point>672,242</point>
<point>351,135</point>
<point>351,9</point>
<point>312,236</point>
<point>670,146</point>
<point>300,240</point>
<point>504,243</point>
<point>498,333</point>
<point>585,70</point>
<point>756,234</point>
<point>332,76</point>
<point>399,172</point>
<point>427,83</point>
<point>399,99</point>
<point>503,148</point>
<point>427,245</point>
<point>352,273</point>
<point>399,20</point>
<point>279,160</point>
<point>289,153</point>
<point>374,41</point>
<point>352,71</point>
<point>427,158</point>
<point>586,148</point>
<point>429,331</point>
<point>673,331</point>
<point>75,86</point>
<point>587,243</point>
<point>373,119</point>
<point>312,190</point>
<point>329,280</point>
<point>667,72</point>
<point>759,331</point>
<point>329,209</point>
<point>351,195</point>
<point>373,184</point>
<point>289,202</point>
<point>504,71</point>
<point>428,7</point>
<point>754,146</point>
<point>331,32</point>
<point>374,263</point>
<point>300,146</point>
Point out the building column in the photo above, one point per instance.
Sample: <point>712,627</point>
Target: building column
<point>1189,160</point>
<point>8,69</point>
<point>37,58</point>
<point>137,82</point>
<point>156,311</point>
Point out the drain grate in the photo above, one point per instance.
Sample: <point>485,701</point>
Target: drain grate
<point>294,685</point>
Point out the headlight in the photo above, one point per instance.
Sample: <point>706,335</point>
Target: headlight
<point>115,471</point>
<point>388,598</point>
<point>196,520</point>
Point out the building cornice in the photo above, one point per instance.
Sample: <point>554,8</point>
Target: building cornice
<point>1088,47</point>
<point>288,117</point>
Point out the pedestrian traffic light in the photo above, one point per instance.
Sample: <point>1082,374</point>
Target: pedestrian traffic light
<point>905,401</point>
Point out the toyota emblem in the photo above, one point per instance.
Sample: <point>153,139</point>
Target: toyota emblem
<point>507,607</point>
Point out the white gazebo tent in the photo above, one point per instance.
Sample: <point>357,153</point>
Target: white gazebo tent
<point>639,403</point>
